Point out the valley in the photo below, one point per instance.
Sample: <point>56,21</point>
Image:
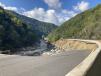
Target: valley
<point>31,47</point>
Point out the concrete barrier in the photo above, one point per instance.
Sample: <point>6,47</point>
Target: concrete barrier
<point>83,68</point>
<point>95,69</point>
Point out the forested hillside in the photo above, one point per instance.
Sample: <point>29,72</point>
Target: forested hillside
<point>41,28</point>
<point>17,31</point>
<point>86,25</point>
<point>13,32</point>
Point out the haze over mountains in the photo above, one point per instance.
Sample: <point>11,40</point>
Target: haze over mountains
<point>86,25</point>
<point>18,31</point>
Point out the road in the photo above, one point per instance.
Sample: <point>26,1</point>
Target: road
<point>88,64</point>
<point>58,65</point>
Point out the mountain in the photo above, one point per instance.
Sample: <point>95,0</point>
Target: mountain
<point>41,28</point>
<point>13,32</point>
<point>86,25</point>
<point>17,31</point>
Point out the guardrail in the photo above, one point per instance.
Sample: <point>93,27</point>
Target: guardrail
<point>85,65</point>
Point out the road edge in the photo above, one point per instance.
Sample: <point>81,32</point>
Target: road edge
<point>84,66</point>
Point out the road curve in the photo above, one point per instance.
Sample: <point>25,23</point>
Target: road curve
<point>82,68</point>
<point>41,66</point>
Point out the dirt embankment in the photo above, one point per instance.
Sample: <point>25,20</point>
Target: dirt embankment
<point>66,44</point>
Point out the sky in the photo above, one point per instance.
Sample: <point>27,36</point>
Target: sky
<point>52,11</point>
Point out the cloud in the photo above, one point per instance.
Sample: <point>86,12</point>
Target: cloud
<point>82,6</point>
<point>54,4</point>
<point>50,15</point>
<point>18,10</point>
<point>37,13</point>
<point>8,7</point>
<point>55,14</point>
<point>42,15</point>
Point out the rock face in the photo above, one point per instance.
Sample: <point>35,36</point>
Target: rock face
<point>43,44</point>
<point>65,45</point>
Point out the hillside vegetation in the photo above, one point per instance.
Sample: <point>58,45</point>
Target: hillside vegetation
<point>13,32</point>
<point>17,31</point>
<point>40,28</point>
<point>86,25</point>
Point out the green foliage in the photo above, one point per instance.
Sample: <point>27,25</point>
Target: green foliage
<point>17,31</point>
<point>40,28</point>
<point>14,33</point>
<point>86,25</point>
<point>1,11</point>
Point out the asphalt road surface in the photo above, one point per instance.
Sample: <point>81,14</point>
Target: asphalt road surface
<point>58,65</point>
